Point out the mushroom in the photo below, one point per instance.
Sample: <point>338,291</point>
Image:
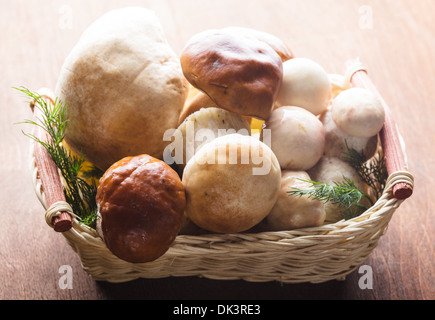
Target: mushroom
<point>297,137</point>
<point>332,170</point>
<point>305,84</point>
<point>141,203</point>
<point>231,184</point>
<point>236,68</point>
<point>122,87</point>
<point>358,112</point>
<point>293,212</point>
<point>202,127</point>
<point>337,141</point>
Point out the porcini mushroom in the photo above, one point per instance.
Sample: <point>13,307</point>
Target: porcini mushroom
<point>358,112</point>
<point>202,127</point>
<point>122,87</point>
<point>141,203</point>
<point>231,184</point>
<point>332,170</point>
<point>238,71</point>
<point>305,84</point>
<point>297,137</point>
<point>293,212</point>
<point>337,142</point>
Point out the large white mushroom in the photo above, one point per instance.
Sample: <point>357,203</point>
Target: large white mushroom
<point>297,137</point>
<point>305,84</point>
<point>122,86</point>
<point>231,184</point>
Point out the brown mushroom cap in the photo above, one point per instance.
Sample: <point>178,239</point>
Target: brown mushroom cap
<point>239,72</point>
<point>141,206</point>
<point>277,44</point>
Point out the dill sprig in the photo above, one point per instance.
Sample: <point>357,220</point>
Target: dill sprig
<point>345,194</point>
<point>373,171</point>
<point>78,193</point>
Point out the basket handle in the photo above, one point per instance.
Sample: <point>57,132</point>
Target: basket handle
<point>48,171</point>
<point>395,160</point>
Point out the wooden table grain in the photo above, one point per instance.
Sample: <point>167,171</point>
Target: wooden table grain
<point>395,39</point>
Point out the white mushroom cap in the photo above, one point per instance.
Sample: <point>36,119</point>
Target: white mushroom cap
<point>205,125</point>
<point>358,112</point>
<point>224,192</point>
<point>297,137</point>
<point>305,84</point>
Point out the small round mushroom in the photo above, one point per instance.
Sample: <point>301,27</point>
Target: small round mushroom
<point>337,141</point>
<point>358,112</point>
<point>297,137</point>
<point>141,202</point>
<point>202,127</point>
<point>231,184</point>
<point>331,170</point>
<point>305,84</point>
<point>238,71</point>
<point>294,212</point>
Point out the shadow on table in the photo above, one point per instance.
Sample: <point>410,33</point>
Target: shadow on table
<point>195,288</point>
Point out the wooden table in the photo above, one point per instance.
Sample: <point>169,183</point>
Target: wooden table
<point>395,39</point>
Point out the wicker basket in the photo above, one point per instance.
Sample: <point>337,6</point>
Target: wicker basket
<point>307,255</point>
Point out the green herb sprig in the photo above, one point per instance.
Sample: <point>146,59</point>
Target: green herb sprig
<point>345,194</point>
<point>373,172</point>
<point>78,193</point>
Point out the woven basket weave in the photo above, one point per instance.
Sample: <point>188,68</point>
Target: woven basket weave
<point>315,255</point>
